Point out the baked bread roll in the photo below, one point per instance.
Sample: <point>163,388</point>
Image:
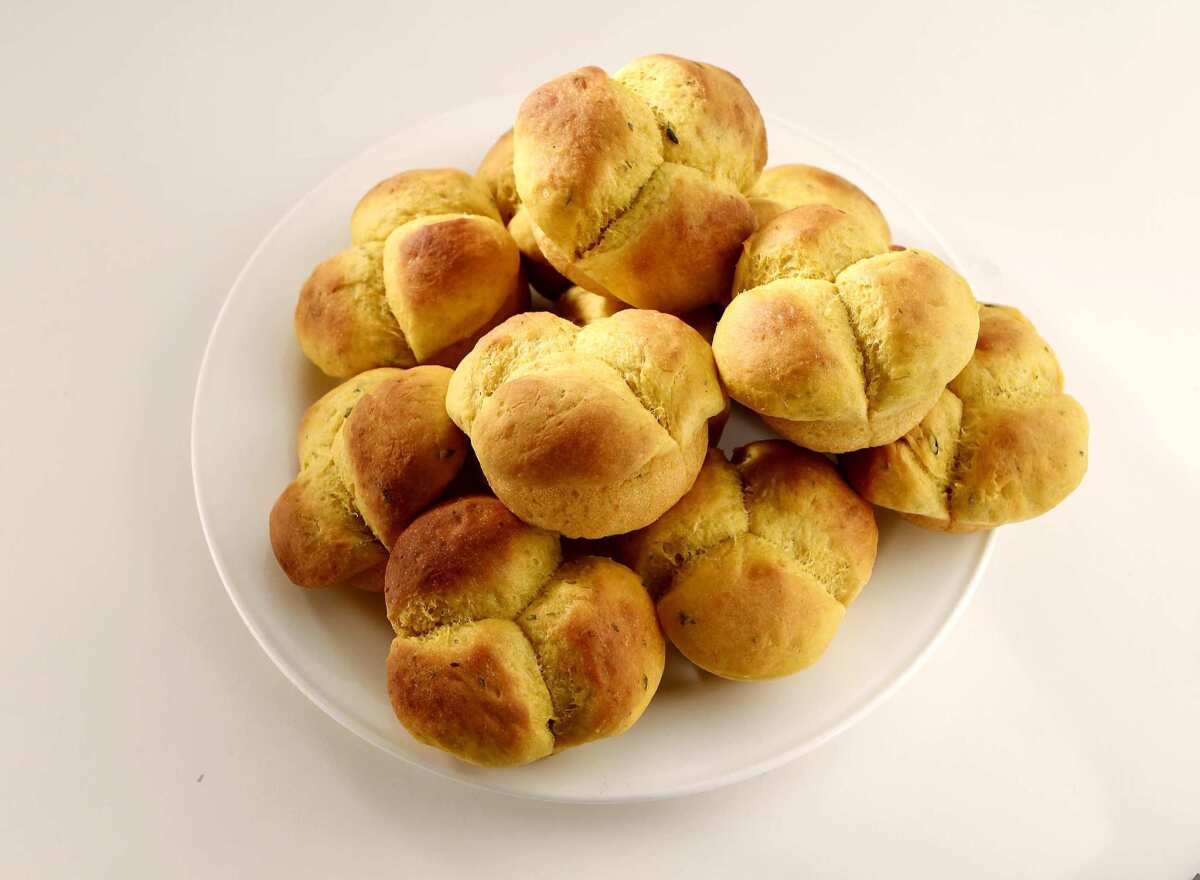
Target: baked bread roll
<point>635,183</point>
<point>496,172</point>
<point>430,270</point>
<point>503,652</point>
<point>753,569</point>
<point>588,431</point>
<point>374,452</point>
<point>1002,444</point>
<point>836,341</point>
<point>783,187</point>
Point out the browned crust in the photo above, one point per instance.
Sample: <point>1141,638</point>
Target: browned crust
<point>715,125</point>
<point>599,646</point>
<point>316,547</point>
<point>373,453</point>
<point>467,694</point>
<point>754,565</point>
<point>342,320</point>
<point>503,654</point>
<point>402,449</point>
<point>463,560</point>
<point>700,225</point>
<point>1019,448</point>
<point>416,193</point>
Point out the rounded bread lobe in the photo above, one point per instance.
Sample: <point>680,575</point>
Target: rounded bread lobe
<point>1002,445</point>
<point>584,146</point>
<point>474,691</point>
<point>502,655</point>
<point>599,647</point>
<point>916,321</point>
<point>398,450</point>
<point>707,118</point>
<point>783,187</point>
<point>412,194</point>
<point>797,500</point>
<point>466,560</point>
<point>817,376</point>
<point>342,318</point>
<point>814,241</point>
<point>446,275</point>
<point>364,474</point>
<point>588,432</point>
<point>754,566</point>
<point>313,542</point>
<point>745,611</point>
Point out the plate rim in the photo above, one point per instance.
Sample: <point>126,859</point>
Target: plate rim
<point>317,696</point>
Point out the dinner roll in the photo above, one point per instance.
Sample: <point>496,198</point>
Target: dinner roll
<point>783,187</point>
<point>430,270</point>
<point>837,341</point>
<point>374,452</point>
<point>588,431</point>
<point>635,183</point>
<point>496,172</point>
<point>1002,444</point>
<point>753,569</point>
<point>503,652</point>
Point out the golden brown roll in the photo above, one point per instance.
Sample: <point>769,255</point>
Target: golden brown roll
<point>783,187</point>
<point>588,431</point>
<point>374,452</point>
<point>430,270</point>
<point>753,569</point>
<point>837,341</point>
<point>635,183</point>
<point>503,652</point>
<point>1002,444</point>
<point>496,173</point>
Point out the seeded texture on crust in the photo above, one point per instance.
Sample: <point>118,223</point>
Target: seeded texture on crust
<point>503,652</point>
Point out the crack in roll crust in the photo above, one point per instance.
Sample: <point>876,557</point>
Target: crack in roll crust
<point>593,431</point>
<point>430,270</point>
<point>504,653</point>
<point>635,183</point>
<point>836,340</point>
<point>1002,444</point>
<point>373,452</point>
<point>752,569</point>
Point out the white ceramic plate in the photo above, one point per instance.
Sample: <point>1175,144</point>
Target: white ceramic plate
<point>700,732</point>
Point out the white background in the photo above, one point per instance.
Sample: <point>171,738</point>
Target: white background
<point>147,149</point>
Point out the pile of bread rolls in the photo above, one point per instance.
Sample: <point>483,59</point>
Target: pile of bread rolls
<point>472,435</point>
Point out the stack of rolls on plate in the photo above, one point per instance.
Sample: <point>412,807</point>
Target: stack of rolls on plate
<point>535,484</point>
